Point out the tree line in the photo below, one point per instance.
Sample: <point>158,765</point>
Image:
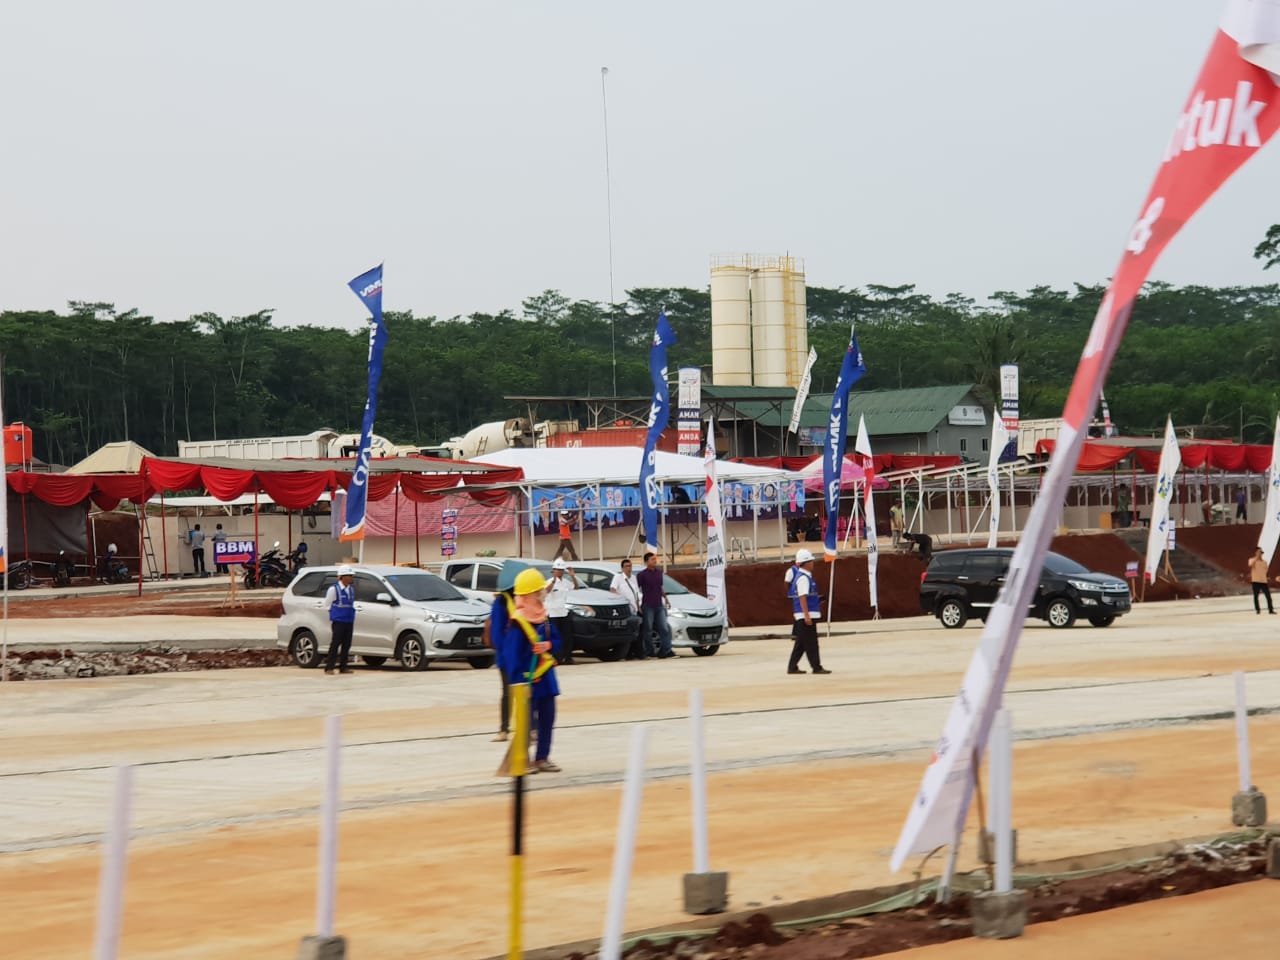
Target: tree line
<point>1210,357</point>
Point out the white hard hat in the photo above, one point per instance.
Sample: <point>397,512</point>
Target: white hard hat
<point>803,555</point>
<point>346,571</point>
<point>559,565</point>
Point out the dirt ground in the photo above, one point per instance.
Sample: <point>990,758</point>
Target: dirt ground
<point>785,834</point>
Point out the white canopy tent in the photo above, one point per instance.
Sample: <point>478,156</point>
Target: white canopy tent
<point>596,467</point>
<point>618,466</point>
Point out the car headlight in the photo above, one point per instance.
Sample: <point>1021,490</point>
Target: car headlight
<point>582,610</point>
<point>1086,586</point>
<point>440,618</point>
<point>674,614</point>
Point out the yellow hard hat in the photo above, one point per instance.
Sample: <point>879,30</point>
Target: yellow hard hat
<point>529,581</point>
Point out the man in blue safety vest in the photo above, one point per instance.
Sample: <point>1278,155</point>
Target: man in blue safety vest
<point>340,600</point>
<point>806,607</point>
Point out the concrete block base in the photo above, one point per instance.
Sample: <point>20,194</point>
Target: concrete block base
<point>322,948</point>
<point>1249,808</point>
<point>706,892</point>
<point>999,916</point>
<point>987,846</point>
<point>1273,858</point>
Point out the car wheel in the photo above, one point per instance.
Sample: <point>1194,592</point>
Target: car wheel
<point>305,649</point>
<point>1060,613</point>
<point>707,651</point>
<point>373,661</point>
<point>1102,621</point>
<point>413,652</point>
<point>610,654</point>
<point>481,663</point>
<point>952,614</point>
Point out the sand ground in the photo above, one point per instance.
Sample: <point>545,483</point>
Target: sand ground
<point>1125,739</point>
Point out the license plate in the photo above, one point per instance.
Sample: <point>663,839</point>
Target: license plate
<point>617,625</point>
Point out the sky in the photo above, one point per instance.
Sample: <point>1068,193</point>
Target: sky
<point>181,157</point>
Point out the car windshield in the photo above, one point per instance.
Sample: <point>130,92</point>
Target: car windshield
<point>420,586</point>
<point>1057,563</point>
<point>673,588</point>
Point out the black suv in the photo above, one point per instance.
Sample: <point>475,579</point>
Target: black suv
<point>960,584</point>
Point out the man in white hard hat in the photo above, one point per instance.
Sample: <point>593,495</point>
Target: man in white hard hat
<point>557,603</point>
<point>340,601</point>
<point>806,607</point>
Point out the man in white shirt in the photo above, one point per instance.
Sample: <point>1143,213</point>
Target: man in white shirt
<point>624,585</point>
<point>557,604</point>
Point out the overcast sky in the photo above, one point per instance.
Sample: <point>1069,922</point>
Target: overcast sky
<point>182,157</point>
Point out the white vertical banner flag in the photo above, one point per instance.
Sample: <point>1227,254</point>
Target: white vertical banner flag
<point>1161,498</point>
<point>715,526</point>
<point>802,391</point>
<point>999,438</point>
<point>1271,525</point>
<point>862,447</point>
<point>1203,153</point>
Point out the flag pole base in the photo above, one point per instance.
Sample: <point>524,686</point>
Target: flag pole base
<point>706,892</point>
<point>999,916</point>
<point>1249,808</point>
<point>322,948</point>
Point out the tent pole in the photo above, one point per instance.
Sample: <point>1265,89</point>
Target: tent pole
<point>164,537</point>
<point>968,523</point>
<point>417,542</point>
<point>395,524</point>
<point>949,534</point>
<point>533,541</point>
<point>142,520</point>
<point>782,525</point>
<point>257,568</point>
<point>599,523</point>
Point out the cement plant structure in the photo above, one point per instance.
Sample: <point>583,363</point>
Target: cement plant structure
<point>759,331</point>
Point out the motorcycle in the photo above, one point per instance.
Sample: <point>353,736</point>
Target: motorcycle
<point>114,569</point>
<point>269,572</point>
<point>18,576</point>
<point>297,557</point>
<point>63,570</point>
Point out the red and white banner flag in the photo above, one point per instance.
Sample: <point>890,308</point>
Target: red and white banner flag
<point>1233,109</point>
<point>862,447</point>
<point>1271,522</point>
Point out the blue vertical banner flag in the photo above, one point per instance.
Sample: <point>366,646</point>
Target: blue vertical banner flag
<point>659,414</point>
<point>851,371</point>
<point>368,287</point>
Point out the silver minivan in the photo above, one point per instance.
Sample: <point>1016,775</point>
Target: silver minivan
<point>402,614</point>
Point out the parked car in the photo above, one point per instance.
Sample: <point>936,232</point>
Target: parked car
<point>960,584</point>
<point>401,614</point>
<point>695,621</point>
<point>603,624</point>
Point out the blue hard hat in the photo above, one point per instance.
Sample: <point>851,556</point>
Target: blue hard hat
<point>507,575</point>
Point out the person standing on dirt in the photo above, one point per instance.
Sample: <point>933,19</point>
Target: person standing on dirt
<point>806,608</point>
<point>340,601</point>
<point>526,651</point>
<point>557,604</point>
<point>896,525</point>
<point>1258,580</point>
<point>219,536</point>
<point>653,609</point>
<point>625,586</point>
<point>195,539</point>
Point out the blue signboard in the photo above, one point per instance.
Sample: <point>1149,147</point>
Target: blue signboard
<point>243,552</point>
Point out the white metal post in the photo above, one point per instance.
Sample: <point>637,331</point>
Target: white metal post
<point>624,849</point>
<point>106,940</point>
<point>698,783</point>
<point>1242,735</point>
<point>325,889</point>
<point>1000,768</point>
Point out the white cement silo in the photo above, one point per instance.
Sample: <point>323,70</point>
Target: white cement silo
<point>769,292</point>
<point>730,323</point>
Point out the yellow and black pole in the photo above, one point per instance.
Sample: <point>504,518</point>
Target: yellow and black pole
<point>517,764</point>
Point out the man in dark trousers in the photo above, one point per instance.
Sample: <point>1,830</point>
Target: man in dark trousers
<point>806,608</point>
<point>340,600</point>
<point>653,609</point>
<point>196,541</point>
